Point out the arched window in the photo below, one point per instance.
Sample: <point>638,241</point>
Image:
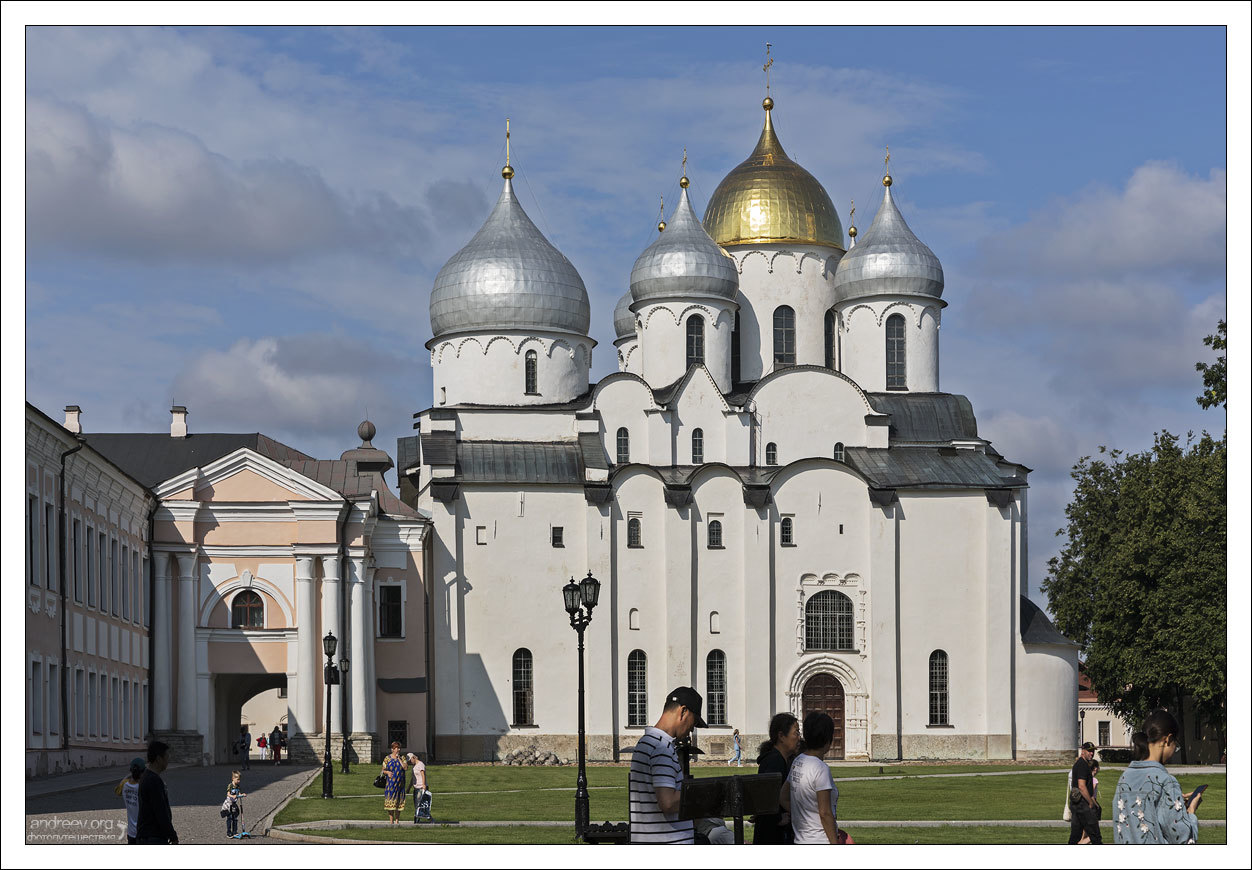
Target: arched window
<point>623,446</point>
<point>634,532</point>
<point>247,610</point>
<point>532,373</point>
<point>895,353</point>
<point>938,687</point>
<point>715,622</point>
<point>637,688</point>
<point>784,336</point>
<point>839,451</point>
<point>697,446</point>
<point>634,619</point>
<point>715,535</point>
<point>523,688</point>
<point>786,535</point>
<point>771,453</point>
<point>828,621</point>
<point>831,336</point>
<point>695,340</point>
<point>715,685</point>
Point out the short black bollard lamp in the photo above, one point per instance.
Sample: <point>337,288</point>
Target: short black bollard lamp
<point>580,600</point>
<point>330,676</point>
<point>343,713</point>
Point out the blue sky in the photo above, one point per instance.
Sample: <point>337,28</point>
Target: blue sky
<point>248,221</point>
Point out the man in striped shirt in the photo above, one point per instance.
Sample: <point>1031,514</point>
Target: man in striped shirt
<point>656,776</point>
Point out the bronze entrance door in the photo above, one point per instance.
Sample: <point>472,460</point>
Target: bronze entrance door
<point>824,693</point>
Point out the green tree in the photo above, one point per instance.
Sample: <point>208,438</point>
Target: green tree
<point>1214,373</point>
<point>1140,583</point>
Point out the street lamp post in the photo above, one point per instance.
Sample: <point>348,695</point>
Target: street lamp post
<point>343,711</point>
<point>330,677</point>
<point>580,600</point>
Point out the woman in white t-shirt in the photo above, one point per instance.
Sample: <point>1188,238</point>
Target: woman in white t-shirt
<point>129,790</point>
<point>809,793</point>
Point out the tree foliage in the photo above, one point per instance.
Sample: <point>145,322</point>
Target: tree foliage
<point>1141,580</point>
<point>1214,373</point>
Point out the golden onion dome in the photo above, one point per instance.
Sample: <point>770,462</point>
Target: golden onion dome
<point>769,198</point>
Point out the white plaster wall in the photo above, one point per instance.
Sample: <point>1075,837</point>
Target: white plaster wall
<point>486,425</point>
<point>700,406</point>
<point>663,338</point>
<point>626,402</point>
<point>491,369</point>
<point>801,276</point>
<point>1047,697</point>
<point>806,412</point>
<point>863,341</point>
<point>629,355</point>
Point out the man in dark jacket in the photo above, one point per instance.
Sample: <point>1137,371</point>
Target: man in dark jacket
<point>1084,811</point>
<point>155,824</point>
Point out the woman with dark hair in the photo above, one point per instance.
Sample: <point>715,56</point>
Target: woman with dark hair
<point>809,793</point>
<point>394,792</point>
<point>775,757</point>
<point>1149,806</point>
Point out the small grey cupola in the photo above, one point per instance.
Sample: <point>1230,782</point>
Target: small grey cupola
<point>684,262</point>
<point>623,319</point>
<point>888,259</point>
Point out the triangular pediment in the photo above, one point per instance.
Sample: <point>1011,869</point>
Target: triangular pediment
<point>247,476</point>
<point>698,387</point>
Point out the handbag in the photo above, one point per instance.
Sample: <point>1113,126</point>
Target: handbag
<point>380,781</point>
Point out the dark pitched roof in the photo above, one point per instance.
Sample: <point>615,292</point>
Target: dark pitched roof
<point>151,457</point>
<point>519,462</point>
<point>927,468</point>
<point>927,417</point>
<point>408,453</point>
<point>1037,628</point>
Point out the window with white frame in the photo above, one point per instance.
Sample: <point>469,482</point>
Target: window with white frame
<point>784,336</point>
<point>715,683</point>
<point>124,730</point>
<point>634,532</point>
<point>136,585</point>
<point>828,621</point>
<point>623,446</point>
<point>771,453</point>
<point>115,697</point>
<point>1105,732</point>
<point>532,373</point>
<point>54,698</point>
<point>637,688</point>
<point>839,453</point>
<point>695,340</point>
<point>49,546</point>
<point>32,540</point>
<point>146,591</point>
<point>896,376</point>
<point>715,535</point>
<point>787,532</point>
<point>76,558</point>
<point>938,687</point>
<point>80,703</point>
<point>523,687</point>
<point>247,610</point>
<point>832,333</point>
<point>143,714</point>
<point>390,610</point>
<point>89,565</point>
<point>102,568</point>
<point>115,598</point>
<point>36,697</point>
<point>125,581</point>
<point>697,446</point>
<point>91,704</point>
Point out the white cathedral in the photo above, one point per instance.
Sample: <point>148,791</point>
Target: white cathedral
<point>783,508</point>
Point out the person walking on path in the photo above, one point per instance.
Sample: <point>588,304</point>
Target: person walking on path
<point>128,788</point>
<point>231,805</point>
<point>656,776</point>
<point>421,803</point>
<point>810,793</point>
<point>155,821</point>
<point>245,746</point>
<point>1149,806</point>
<point>1084,812</point>
<point>393,793</point>
<point>737,752</point>
<point>261,743</point>
<point>775,757</point>
<point>276,744</point>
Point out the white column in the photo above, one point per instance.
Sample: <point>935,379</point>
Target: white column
<point>162,653</point>
<point>306,643</point>
<point>331,622</point>
<point>361,678</point>
<point>188,691</point>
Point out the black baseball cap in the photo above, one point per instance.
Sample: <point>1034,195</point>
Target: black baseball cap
<point>690,699</point>
<point>1089,746</point>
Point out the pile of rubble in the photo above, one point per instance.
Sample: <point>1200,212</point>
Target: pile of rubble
<point>531,755</point>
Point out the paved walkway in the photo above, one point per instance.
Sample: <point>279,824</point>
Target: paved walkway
<point>90,812</point>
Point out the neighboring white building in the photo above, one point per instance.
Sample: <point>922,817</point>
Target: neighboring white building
<point>783,508</point>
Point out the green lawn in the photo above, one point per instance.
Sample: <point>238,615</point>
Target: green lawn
<point>947,835</point>
<point>471,793</point>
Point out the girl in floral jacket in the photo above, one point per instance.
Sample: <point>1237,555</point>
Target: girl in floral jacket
<point>1149,806</point>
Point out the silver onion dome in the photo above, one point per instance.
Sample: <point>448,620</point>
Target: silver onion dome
<point>623,318</point>
<point>509,277</point>
<point>888,259</point>
<point>684,261</point>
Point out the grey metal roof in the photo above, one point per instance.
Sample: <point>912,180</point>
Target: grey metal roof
<point>684,261</point>
<point>623,318</point>
<point>408,453</point>
<point>341,476</point>
<point>592,448</point>
<point>509,277</point>
<point>439,448</point>
<point>1035,626</point>
<point>154,457</point>
<point>519,462</point>
<point>927,417</point>
<point>925,467</point>
<point>888,258</point>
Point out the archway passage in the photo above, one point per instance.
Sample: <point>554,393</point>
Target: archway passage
<point>824,693</point>
<point>232,692</point>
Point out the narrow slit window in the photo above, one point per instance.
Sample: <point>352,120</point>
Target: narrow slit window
<point>715,684</point>
<point>695,340</point>
<point>637,688</point>
<point>697,447</point>
<point>771,453</point>
<point>895,353</point>
<point>715,535</point>
<point>784,336</point>
<point>787,533</point>
<point>938,687</point>
<point>623,446</point>
<point>523,688</point>
<point>532,373</point>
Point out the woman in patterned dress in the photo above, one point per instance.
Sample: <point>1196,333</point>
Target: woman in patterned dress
<point>393,794</point>
<point>1149,806</point>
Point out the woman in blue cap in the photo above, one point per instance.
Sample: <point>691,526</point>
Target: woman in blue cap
<point>128,788</point>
